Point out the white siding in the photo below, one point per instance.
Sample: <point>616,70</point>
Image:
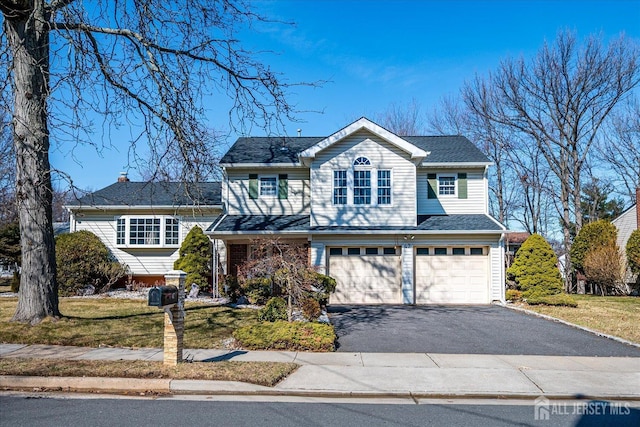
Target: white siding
<point>475,203</point>
<point>142,261</point>
<point>497,279</point>
<point>236,193</point>
<point>626,224</point>
<point>340,156</point>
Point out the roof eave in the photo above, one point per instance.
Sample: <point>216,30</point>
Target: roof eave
<point>263,165</point>
<point>140,207</point>
<point>456,164</point>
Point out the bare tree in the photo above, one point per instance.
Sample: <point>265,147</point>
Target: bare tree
<point>402,119</point>
<point>619,147</point>
<point>82,69</point>
<point>456,116</point>
<point>560,100</point>
<point>286,265</point>
<point>168,164</point>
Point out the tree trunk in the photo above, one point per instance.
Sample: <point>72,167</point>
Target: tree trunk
<point>28,36</point>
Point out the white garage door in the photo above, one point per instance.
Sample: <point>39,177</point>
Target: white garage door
<point>452,279</point>
<point>366,279</point>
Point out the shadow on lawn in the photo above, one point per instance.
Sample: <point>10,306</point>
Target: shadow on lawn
<point>150,314</point>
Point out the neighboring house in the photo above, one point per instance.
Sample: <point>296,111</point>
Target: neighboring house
<point>393,219</point>
<point>513,241</point>
<point>144,223</point>
<point>626,223</point>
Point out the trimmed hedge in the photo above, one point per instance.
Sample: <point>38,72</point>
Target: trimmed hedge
<point>559,300</point>
<point>283,335</point>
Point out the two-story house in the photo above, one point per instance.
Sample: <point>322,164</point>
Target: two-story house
<point>143,224</point>
<point>393,219</point>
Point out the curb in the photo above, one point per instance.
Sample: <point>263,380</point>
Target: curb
<point>573,325</point>
<point>97,384</point>
<point>217,388</point>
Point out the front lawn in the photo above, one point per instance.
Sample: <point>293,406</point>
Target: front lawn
<point>618,316</point>
<point>262,373</point>
<point>92,322</point>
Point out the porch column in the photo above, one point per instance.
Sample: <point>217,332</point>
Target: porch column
<point>407,274</point>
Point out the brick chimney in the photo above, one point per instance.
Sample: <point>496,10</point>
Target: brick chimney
<point>123,177</point>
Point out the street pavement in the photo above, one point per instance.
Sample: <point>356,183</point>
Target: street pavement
<point>357,374</point>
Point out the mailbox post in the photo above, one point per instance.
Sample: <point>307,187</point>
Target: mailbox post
<point>174,320</point>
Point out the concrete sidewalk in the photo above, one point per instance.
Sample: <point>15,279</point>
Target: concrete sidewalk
<point>364,374</point>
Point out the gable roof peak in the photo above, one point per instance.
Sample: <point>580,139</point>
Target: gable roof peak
<point>364,123</point>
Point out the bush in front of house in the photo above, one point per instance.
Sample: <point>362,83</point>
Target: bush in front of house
<point>591,236</point>
<point>605,268</point>
<point>195,259</point>
<point>311,309</point>
<point>82,260</point>
<point>555,300</point>
<point>284,335</point>
<point>535,268</point>
<point>513,295</point>
<point>633,251</point>
<point>258,290</point>
<point>274,310</point>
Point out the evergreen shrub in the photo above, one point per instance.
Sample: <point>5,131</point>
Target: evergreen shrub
<point>535,268</point>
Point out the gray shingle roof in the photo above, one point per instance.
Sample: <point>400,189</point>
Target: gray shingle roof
<point>301,223</point>
<point>268,149</point>
<point>458,222</point>
<point>444,149</point>
<point>153,194</point>
<point>249,223</point>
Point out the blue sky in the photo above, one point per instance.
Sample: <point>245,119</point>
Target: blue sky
<point>375,53</point>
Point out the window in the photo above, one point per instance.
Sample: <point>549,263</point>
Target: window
<point>389,251</point>
<point>171,231</point>
<point>371,251</point>
<point>361,161</point>
<point>384,187</point>
<point>335,251</point>
<point>440,251</point>
<point>447,185</point>
<point>361,187</point>
<point>147,231</point>
<point>353,251</point>
<point>340,187</point>
<point>144,231</point>
<point>422,251</point>
<point>121,231</point>
<point>268,186</point>
<point>458,251</point>
<point>476,251</point>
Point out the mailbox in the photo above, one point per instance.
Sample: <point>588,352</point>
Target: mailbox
<point>161,296</point>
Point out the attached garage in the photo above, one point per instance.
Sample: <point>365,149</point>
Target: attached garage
<point>452,275</point>
<point>366,275</point>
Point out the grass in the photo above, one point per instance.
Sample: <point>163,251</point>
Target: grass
<point>122,323</point>
<point>287,336</point>
<point>618,316</point>
<point>262,373</point>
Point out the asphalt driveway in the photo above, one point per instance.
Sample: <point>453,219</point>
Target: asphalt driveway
<point>463,330</point>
